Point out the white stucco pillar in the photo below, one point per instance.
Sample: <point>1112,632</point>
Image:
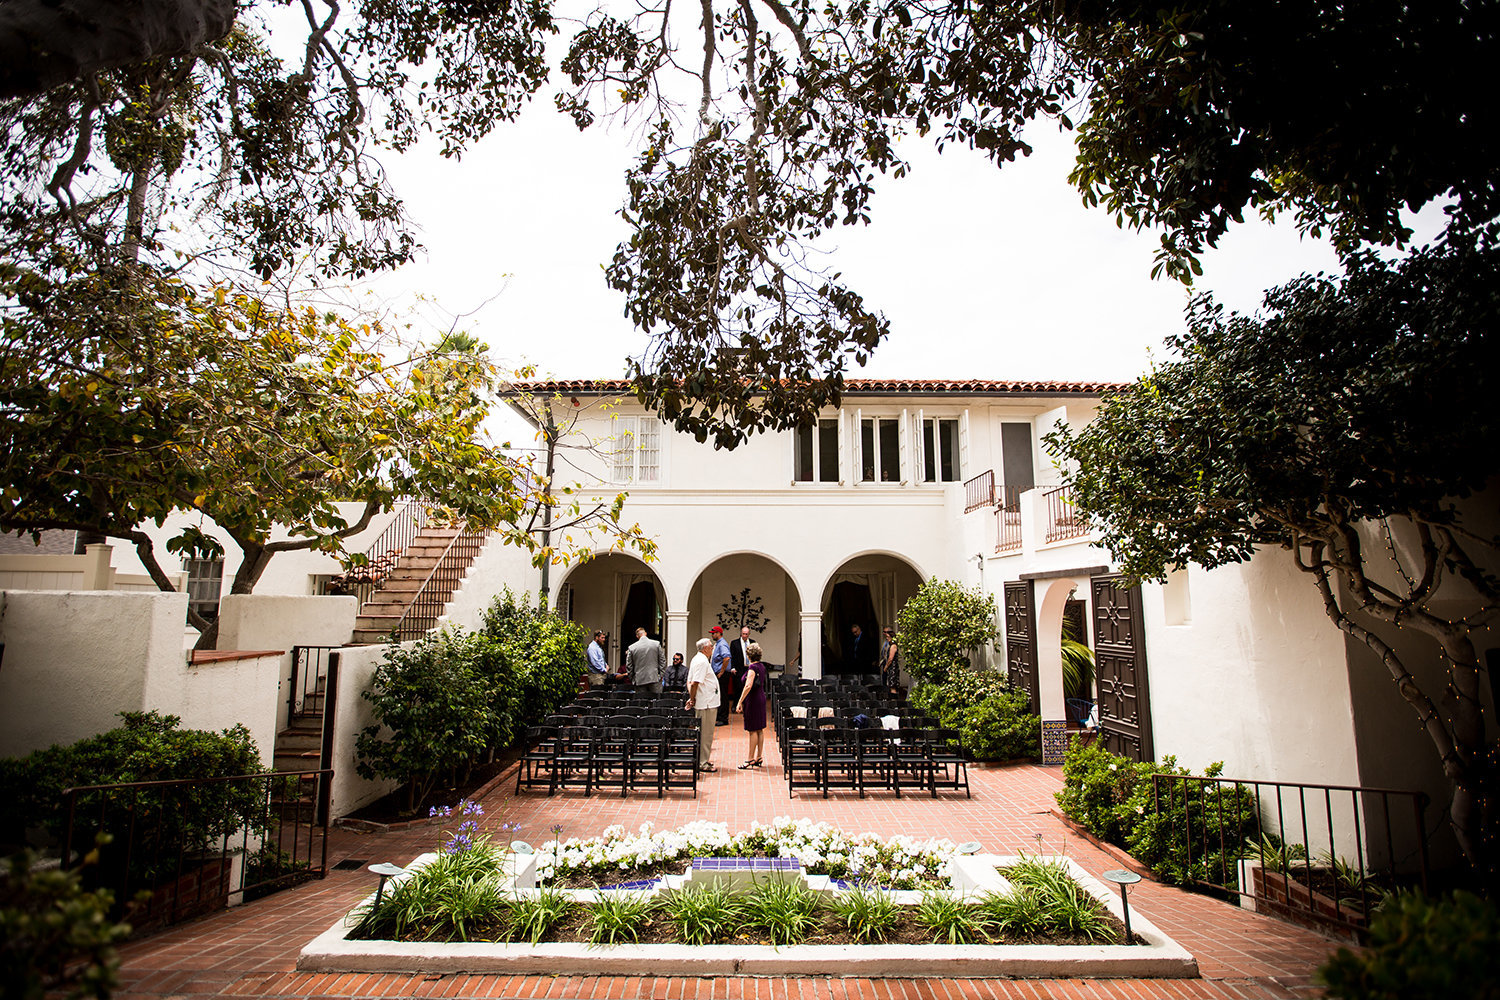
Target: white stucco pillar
<point>677,638</point>
<point>811,663</point>
<point>97,574</point>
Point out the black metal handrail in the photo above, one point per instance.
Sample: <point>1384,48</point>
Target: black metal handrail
<point>1289,878</point>
<point>181,840</point>
<point>431,600</point>
<point>384,554</point>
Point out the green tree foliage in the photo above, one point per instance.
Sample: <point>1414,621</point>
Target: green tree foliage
<point>941,624</point>
<point>123,405</point>
<point>1190,115</point>
<point>435,704</point>
<point>1421,949</point>
<point>443,703</point>
<point>1348,423</point>
<point>547,650</point>
<point>56,937</point>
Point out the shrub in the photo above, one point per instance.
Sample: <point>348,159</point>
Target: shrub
<point>1113,799</point>
<point>783,912</point>
<point>994,722</point>
<point>54,934</point>
<point>547,651</point>
<point>1000,728</point>
<point>939,624</point>
<point>147,747</point>
<point>1422,949</point>
<point>437,703</point>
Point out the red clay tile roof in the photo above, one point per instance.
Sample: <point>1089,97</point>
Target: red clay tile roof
<point>868,386</point>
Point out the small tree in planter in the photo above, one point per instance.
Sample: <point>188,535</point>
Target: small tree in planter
<point>434,709</point>
<point>941,622</point>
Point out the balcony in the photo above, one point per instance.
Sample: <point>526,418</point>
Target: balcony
<point>1063,521</point>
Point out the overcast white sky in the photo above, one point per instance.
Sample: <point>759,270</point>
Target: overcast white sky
<point>984,272</point>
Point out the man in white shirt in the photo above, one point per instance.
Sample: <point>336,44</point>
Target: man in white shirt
<point>703,701</point>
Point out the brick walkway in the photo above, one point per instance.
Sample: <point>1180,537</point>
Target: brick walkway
<point>252,950</point>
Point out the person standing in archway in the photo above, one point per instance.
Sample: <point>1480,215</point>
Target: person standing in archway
<point>752,705</point>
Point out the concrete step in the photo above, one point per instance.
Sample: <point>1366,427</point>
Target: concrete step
<point>298,741</point>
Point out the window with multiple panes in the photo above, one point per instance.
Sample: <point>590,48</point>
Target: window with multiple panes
<point>205,581</point>
<point>940,450</point>
<point>880,450</point>
<point>815,452</point>
<point>637,452</point>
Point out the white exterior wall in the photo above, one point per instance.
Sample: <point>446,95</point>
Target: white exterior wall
<point>1256,677</point>
<point>356,666</point>
<point>75,660</point>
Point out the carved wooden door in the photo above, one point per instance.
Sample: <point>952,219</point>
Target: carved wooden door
<point>1020,638</point>
<point>1120,668</point>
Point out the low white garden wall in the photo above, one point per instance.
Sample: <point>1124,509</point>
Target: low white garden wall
<point>356,666</point>
<point>73,660</point>
<point>1159,958</point>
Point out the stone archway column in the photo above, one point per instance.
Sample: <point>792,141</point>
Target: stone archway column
<point>677,638</point>
<point>811,665</point>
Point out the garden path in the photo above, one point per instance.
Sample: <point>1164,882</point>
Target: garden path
<point>251,950</point>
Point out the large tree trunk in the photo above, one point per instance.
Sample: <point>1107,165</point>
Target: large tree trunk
<point>46,44</point>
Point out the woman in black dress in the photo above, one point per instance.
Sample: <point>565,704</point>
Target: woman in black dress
<point>752,705</point>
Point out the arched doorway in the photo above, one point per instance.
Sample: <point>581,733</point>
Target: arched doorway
<point>864,592</point>
<point>750,589</point>
<point>616,593</point>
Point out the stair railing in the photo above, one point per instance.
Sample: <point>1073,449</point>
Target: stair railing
<point>309,678</point>
<point>432,599</point>
<point>384,554</point>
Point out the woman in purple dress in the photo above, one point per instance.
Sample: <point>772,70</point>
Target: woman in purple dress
<point>752,704</point>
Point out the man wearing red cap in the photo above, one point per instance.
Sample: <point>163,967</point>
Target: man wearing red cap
<point>719,662</point>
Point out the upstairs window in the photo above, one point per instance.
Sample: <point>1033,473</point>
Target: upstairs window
<point>880,450</point>
<point>940,449</point>
<point>815,452</point>
<point>637,454</point>
<point>205,581</point>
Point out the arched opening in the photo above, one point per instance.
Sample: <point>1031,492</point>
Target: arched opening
<point>863,594</point>
<point>751,590</point>
<point>616,593</point>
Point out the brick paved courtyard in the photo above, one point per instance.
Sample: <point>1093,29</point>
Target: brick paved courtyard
<point>251,951</point>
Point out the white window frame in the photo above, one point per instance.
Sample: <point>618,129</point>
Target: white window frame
<point>879,478</point>
<point>637,454</point>
<point>202,578</point>
<point>931,476</point>
<point>815,436</point>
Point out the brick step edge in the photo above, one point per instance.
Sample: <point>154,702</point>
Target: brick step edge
<point>1124,860</point>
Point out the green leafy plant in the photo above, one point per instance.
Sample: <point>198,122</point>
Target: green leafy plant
<point>940,624</point>
<point>148,746</point>
<point>532,917</point>
<point>619,917</point>
<point>1064,906</point>
<point>868,914</point>
<point>1421,948</point>
<point>435,709</point>
<point>442,900</point>
<point>784,912</point>
<point>703,914</point>
<point>995,723</point>
<point>56,937</point>
<point>951,918</point>
<point>1018,912</point>
<point>546,652</point>
<point>1187,839</point>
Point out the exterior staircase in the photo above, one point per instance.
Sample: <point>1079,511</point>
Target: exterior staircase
<point>426,575</point>
<point>299,747</point>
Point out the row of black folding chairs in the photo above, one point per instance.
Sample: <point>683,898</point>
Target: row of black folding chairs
<point>846,715</point>
<point>627,696</point>
<point>861,760</point>
<point>592,711</point>
<point>624,752</point>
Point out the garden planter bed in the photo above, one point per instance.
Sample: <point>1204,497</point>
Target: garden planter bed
<point>1156,957</point>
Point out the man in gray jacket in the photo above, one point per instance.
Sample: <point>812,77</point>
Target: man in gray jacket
<point>645,661</point>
